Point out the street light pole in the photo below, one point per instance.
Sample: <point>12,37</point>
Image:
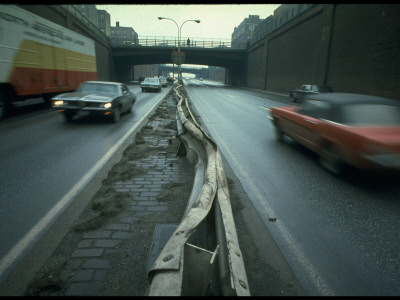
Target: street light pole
<point>179,42</point>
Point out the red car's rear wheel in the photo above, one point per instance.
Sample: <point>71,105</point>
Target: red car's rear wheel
<point>279,133</point>
<point>330,160</point>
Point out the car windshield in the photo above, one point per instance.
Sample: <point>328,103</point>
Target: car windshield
<point>89,87</point>
<point>324,89</point>
<point>151,80</point>
<point>371,114</point>
<point>316,109</point>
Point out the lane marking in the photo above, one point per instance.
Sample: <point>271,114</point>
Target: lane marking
<point>15,254</point>
<point>264,108</point>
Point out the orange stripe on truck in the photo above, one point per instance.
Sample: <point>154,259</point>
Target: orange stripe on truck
<point>31,81</point>
<point>40,68</point>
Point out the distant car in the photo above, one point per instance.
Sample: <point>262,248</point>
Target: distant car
<point>109,99</point>
<point>344,129</point>
<point>141,78</point>
<point>170,79</point>
<point>201,79</point>
<point>163,81</point>
<point>308,89</point>
<point>151,84</point>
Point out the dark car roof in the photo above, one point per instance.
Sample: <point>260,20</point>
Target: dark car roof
<point>316,85</point>
<point>348,98</point>
<point>104,82</point>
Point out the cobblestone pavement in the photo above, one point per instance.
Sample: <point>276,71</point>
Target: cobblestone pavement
<point>107,250</point>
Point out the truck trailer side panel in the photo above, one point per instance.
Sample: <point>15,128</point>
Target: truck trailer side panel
<point>39,57</point>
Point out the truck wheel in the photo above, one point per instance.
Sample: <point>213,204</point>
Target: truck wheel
<point>330,161</point>
<point>129,111</point>
<point>68,115</point>
<point>3,107</point>
<point>116,114</point>
<point>47,99</point>
<point>279,133</point>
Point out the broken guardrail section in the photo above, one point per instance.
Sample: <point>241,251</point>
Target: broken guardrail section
<point>203,256</point>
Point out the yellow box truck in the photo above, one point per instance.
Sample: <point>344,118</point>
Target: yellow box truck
<point>39,58</point>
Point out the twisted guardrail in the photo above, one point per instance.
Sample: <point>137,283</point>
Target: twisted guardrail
<point>203,256</point>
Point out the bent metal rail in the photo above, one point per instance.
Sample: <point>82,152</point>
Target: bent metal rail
<point>203,254</point>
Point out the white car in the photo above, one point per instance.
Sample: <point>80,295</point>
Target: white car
<point>151,84</point>
<point>163,81</point>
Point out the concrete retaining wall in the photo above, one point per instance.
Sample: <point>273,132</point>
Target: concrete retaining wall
<point>351,47</point>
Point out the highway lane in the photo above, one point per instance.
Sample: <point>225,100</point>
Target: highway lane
<point>339,235</point>
<point>46,161</point>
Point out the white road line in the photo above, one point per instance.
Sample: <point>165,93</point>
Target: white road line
<point>265,108</point>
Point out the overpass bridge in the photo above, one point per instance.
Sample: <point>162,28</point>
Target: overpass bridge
<point>158,50</point>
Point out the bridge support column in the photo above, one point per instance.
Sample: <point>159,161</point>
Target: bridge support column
<point>235,75</point>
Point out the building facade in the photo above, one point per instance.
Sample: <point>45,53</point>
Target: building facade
<point>253,29</point>
<point>104,22</point>
<point>89,11</point>
<point>264,28</point>
<point>242,34</point>
<point>285,12</point>
<point>123,35</point>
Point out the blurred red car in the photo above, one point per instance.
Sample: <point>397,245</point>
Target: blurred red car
<point>344,129</point>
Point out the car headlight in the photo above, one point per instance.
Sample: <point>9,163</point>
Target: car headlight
<point>107,105</point>
<point>58,102</point>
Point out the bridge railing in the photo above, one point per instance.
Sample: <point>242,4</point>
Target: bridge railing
<point>165,41</point>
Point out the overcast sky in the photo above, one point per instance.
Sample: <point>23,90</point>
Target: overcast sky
<point>217,21</point>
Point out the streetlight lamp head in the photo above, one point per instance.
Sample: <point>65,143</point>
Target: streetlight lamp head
<point>197,21</point>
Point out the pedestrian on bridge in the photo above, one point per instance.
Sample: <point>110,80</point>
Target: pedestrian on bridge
<point>188,42</point>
